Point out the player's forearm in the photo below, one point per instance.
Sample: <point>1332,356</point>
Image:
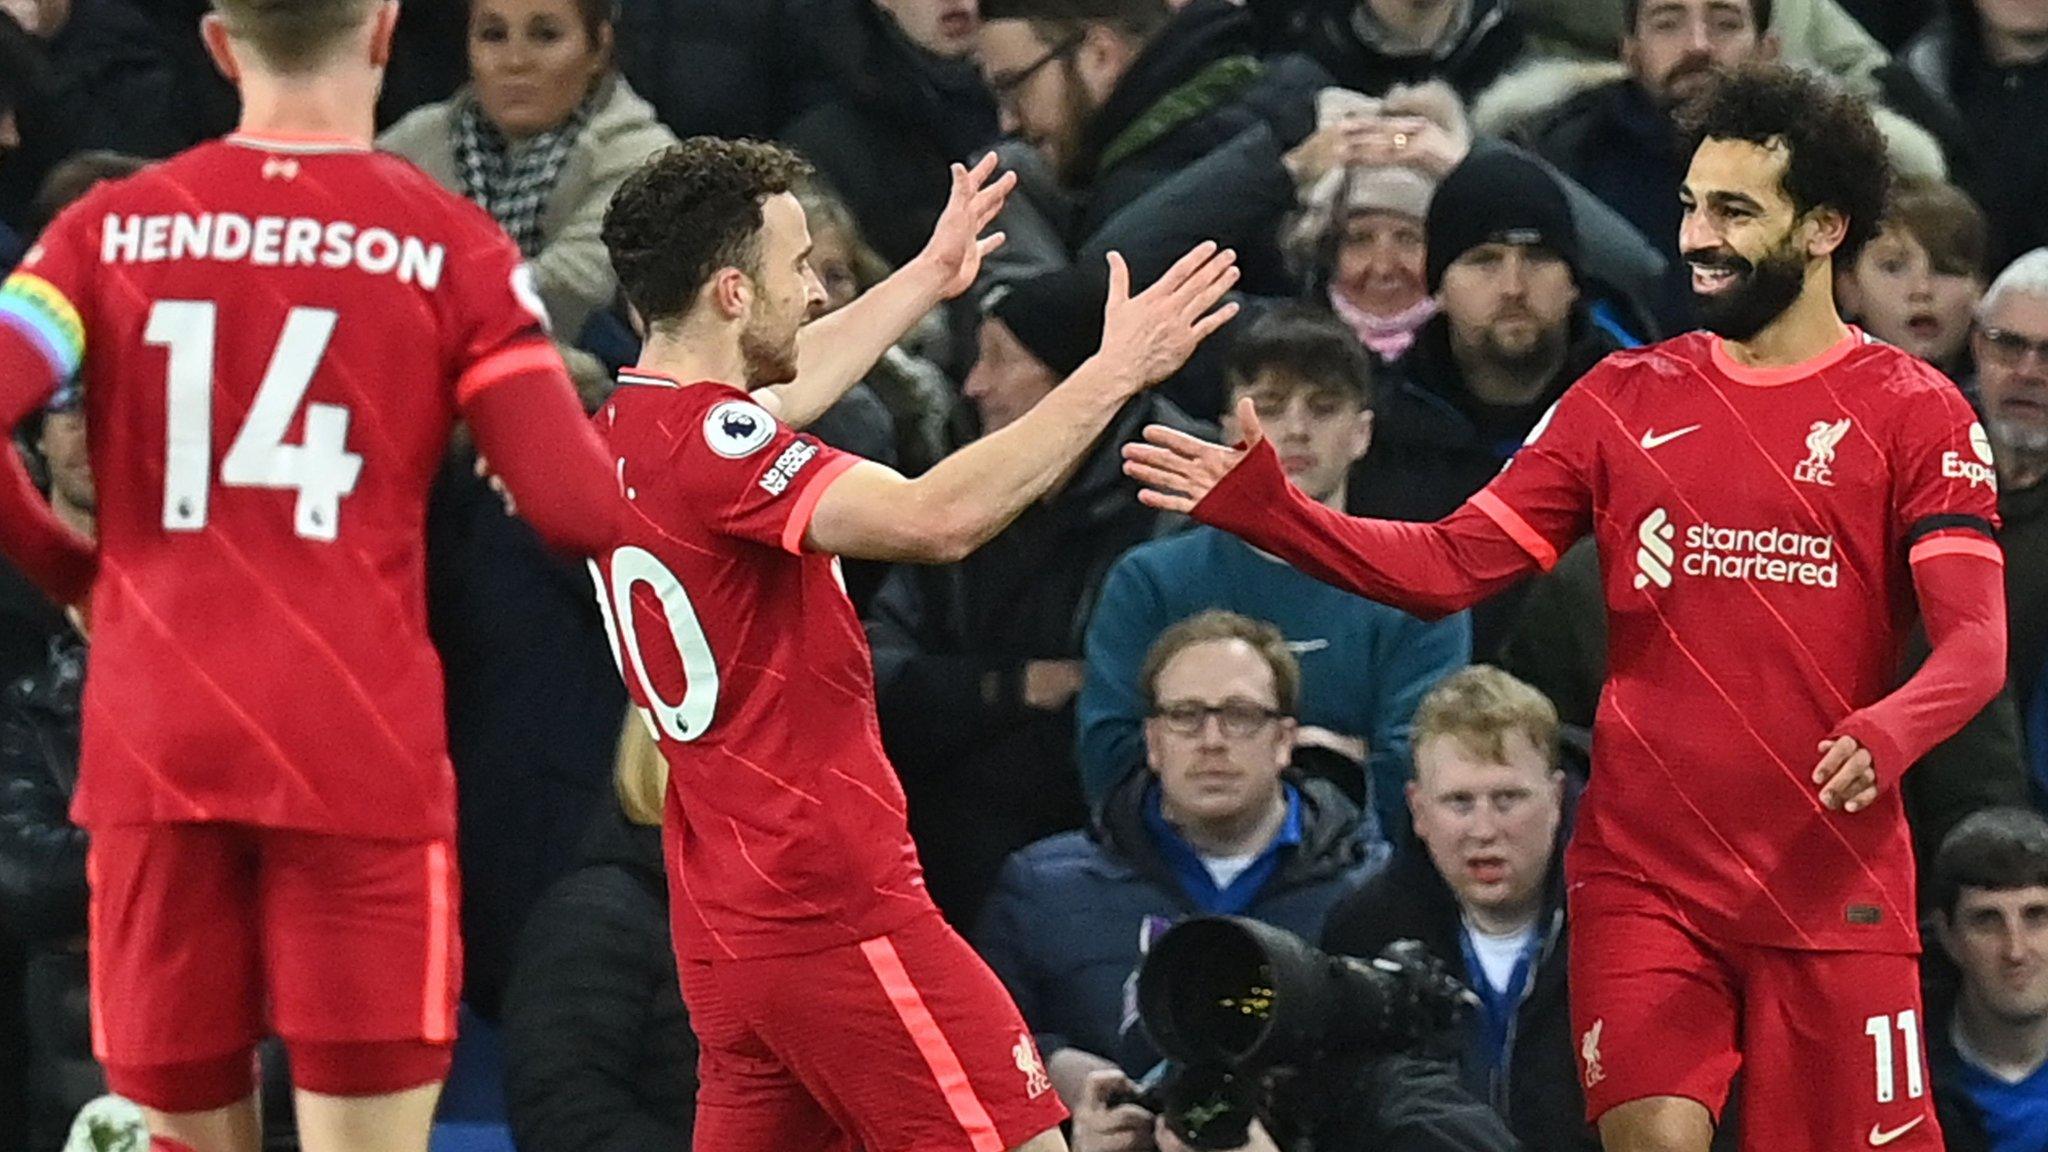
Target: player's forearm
<point>1428,570</point>
<point>968,497</point>
<point>1962,601</point>
<point>838,351</point>
<point>534,435</point>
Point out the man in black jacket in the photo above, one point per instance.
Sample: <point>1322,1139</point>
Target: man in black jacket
<point>42,854</point>
<point>1514,333</point>
<point>1117,95</point>
<point>893,96</point>
<point>977,663</point>
<point>1484,890</point>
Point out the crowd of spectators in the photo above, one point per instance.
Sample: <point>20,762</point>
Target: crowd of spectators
<point>1106,720</point>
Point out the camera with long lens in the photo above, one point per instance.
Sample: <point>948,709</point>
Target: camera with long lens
<point>1240,1008</point>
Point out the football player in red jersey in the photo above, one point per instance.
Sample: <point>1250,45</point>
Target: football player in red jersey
<point>274,333</point>
<point>1772,500</point>
<point>834,1007</point>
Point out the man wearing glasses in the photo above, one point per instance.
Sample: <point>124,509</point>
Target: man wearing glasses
<point>2011,349</point>
<point>1218,826</point>
<point>1117,95</point>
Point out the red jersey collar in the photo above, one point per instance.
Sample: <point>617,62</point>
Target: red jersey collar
<point>296,144</point>
<point>1785,373</point>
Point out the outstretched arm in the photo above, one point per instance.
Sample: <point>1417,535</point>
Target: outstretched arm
<point>836,352</point>
<point>872,513</point>
<point>1429,570</point>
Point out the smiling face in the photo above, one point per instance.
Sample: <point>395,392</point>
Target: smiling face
<point>1749,246</point>
<point>1381,262</point>
<point>1903,299</point>
<point>532,62</point>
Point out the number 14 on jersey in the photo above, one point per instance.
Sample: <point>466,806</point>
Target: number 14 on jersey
<point>320,468</point>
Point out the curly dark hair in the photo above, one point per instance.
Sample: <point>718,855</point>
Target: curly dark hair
<point>1838,157</point>
<point>689,211</point>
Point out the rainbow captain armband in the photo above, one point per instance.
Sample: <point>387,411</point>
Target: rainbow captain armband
<point>45,317</point>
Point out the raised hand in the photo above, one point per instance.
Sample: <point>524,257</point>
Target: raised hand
<point>1178,470</point>
<point>1153,333</point>
<point>957,247</point>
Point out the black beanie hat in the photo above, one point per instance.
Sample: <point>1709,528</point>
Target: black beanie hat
<point>1057,316</point>
<point>1498,197</point>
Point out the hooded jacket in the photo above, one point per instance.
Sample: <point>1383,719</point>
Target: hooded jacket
<point>1062,929</point>
<point>985,773</point>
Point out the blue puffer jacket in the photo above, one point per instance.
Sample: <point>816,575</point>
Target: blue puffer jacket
<point>1064,926</point>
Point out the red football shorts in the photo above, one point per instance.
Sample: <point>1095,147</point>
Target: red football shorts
<point>1832,1043</point>
<point>207,937</point>
<point>903,1043</point>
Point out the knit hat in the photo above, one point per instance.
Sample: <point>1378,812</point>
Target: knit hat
<point>1057,316</point>
<point>1498,196</point>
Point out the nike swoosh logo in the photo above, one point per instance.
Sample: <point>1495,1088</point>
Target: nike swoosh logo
<point>1653,440</point>
<point>1879,1137</point>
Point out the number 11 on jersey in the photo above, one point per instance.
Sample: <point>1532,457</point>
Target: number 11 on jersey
<point>320,468</point>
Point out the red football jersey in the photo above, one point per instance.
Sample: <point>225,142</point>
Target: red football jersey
<point>786,830</point>
<point>275,338</point>
<point>1755,531</point>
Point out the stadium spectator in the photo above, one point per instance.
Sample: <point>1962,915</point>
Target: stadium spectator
<point>1363,665</point>
<point>28,620</point>
<point>598,1051</point>
<point>1822,33</point>
<point>1372,45</point>
<point>2011,348</point>
<point>1614,129</point>
<point>1986,61</point>
<point>110,73</point>
<point>1117,95</point>
<point>1917,284</point>
<point>1990,1045</point>
<point>543,134</point>
<point>1513,335</point>
<point>715,67</point>
<point>1483,887</point>
<point>1219,825</point>
<point>977,663</point>
<point>1359,240</point>
<point>42,854</point>
<point>896,98</point>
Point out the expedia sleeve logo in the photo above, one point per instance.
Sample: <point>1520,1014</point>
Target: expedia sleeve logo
<point>1978,471</point>
<point>738,428</point>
